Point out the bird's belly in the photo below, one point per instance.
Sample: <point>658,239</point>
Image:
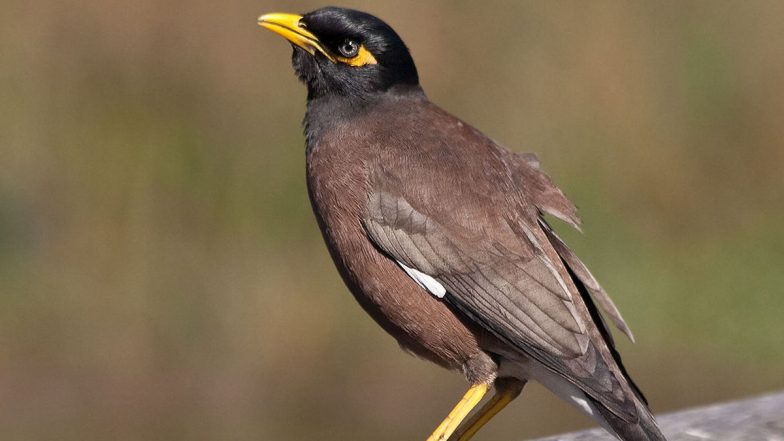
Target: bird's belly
<point>530,370</point>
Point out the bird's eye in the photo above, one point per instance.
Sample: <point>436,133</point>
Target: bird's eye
<point>348,48</point>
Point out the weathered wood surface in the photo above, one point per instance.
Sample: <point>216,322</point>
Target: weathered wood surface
<point>754,419</point>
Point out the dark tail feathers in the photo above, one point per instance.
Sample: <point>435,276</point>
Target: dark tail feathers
<point>645,429</point>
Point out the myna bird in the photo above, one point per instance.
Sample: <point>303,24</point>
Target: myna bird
<point>440,234</point>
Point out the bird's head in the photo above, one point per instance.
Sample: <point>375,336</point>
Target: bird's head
<point>344,52</point>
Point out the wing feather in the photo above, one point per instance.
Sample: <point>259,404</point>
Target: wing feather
<point>514,289</point>
<point>533,294</point>
<point>584,275</point>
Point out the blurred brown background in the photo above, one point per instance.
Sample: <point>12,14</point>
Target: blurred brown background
<point>162,277</point>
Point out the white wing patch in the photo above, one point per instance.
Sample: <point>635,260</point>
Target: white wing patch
<point>582,403</point>
<point>428,283</point>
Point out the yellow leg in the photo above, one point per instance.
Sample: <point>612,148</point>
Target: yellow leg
<point>507,389</point>
<point>458,414</point>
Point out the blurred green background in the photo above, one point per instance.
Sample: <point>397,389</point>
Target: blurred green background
<point>162,276</point>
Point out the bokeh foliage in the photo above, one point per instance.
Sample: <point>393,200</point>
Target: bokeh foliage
<point>162,277</point>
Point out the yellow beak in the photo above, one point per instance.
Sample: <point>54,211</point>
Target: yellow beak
<point>290,27</point>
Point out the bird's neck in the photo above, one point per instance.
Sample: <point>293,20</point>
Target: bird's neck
<point>328,111</point>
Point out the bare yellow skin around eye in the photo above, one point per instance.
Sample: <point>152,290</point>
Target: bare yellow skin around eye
<point>362,58</point>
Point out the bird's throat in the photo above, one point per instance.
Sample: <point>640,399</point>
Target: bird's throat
<point>326,113</point>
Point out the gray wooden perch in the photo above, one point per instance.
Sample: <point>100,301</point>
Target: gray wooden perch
<point>754,419</point>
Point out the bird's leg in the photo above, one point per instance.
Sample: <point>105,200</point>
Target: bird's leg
<point>506,390</point>
<point>461,410</point>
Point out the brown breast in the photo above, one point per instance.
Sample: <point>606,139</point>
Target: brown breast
<point>337,176</point>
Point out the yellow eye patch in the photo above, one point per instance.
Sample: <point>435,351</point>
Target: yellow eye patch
<point>362,58</point>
